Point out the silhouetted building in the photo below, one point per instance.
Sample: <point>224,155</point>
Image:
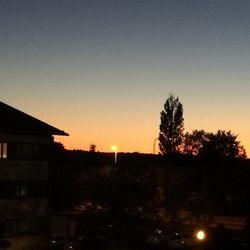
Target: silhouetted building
<point>25,150</point>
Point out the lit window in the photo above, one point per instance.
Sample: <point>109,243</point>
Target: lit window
<point>3,150</point>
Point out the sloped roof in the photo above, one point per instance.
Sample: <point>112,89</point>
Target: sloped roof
<point>13,121</point>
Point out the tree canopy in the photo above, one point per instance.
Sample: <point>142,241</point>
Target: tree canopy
<point>222,144</point>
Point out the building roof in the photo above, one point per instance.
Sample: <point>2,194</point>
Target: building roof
<point>13,121</point>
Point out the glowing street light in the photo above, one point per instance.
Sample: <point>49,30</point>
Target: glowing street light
<point>201,235</point>
<point>114,149</point>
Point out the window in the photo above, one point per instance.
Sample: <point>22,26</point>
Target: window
<point>23,226</point>
<point>3,150</point>
<point>27,151</point>
<point>21,190</point>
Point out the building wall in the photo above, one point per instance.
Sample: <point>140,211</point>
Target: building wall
<point>24,172</point>
<point>13,170</point>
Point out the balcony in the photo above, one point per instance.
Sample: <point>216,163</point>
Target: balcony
<point>23,170</point>
<point>23,207</point>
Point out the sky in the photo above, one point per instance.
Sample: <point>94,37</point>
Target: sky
<point>101,70</point>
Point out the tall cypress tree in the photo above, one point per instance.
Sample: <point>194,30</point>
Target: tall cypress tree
<point>171,127</point>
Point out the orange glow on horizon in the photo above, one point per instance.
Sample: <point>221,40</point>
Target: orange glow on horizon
<point>139,144</point>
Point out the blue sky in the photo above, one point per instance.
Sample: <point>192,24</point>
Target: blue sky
<point>102,70</point>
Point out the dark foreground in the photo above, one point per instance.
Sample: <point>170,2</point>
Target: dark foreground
<point>216,239</point>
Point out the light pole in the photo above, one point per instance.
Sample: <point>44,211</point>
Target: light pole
<point>155,140</point>
<point>114,149</point>
<point>154,144</point>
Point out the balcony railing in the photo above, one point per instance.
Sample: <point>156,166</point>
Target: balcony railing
<point>23,170</point>
<point>23,207</point>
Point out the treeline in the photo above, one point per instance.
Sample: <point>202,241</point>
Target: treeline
<point>173,140</point>
<point>82,180</point>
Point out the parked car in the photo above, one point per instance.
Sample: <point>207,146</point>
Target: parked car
<point>162,236</point>
<point>194,238</point>
<point>158,236</point>
<point>57,242</point>
<point>175,240</point>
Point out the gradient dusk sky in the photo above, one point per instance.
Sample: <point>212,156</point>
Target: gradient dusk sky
<point>101,70</point>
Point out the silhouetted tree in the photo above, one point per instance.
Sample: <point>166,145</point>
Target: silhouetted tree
<point>193,142</point>
<point>194,204</point>
<point>222,144</point>
<point>171,127</point>
<point>92,148</point>
<point>57,150</point>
